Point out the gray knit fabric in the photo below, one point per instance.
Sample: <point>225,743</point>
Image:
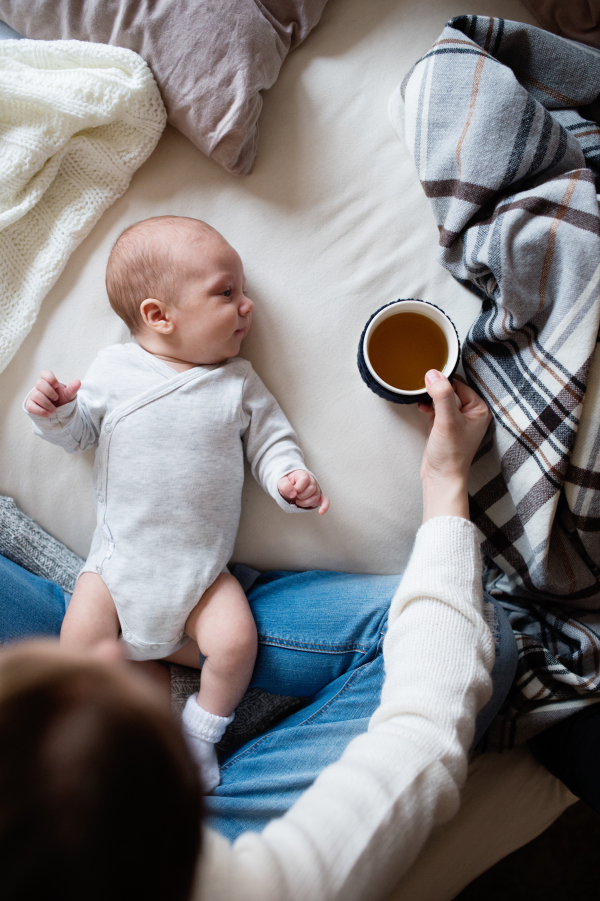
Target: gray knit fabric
<point>28,545</point>
<point>25,543</point>
<point>256,712</point>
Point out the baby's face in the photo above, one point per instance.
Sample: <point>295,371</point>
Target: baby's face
<point>213,315</point>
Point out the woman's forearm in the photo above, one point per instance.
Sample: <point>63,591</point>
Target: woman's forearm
<point>445,497</point>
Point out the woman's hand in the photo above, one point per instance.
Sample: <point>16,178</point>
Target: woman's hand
<point>458,420</point>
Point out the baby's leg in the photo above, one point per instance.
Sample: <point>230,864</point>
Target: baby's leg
<point>223,627</point>
<point>91,616</point>
<point>224,630</point>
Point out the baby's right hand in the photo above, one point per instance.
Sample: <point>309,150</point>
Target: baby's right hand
<point>49,394</point>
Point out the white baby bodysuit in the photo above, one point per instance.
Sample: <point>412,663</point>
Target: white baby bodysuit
<point>168,479</point>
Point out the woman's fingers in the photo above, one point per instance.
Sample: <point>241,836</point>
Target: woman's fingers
<point>442,393</point>
<point>466,400</point>
<point>470,399</point>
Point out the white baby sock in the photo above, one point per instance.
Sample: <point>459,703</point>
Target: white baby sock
<point>202,730</point>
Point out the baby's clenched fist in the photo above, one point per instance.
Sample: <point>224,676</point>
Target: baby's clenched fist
<point>302,489</point>
<point>49,394</point>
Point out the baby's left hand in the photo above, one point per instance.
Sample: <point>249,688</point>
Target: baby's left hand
<point>303,489</point>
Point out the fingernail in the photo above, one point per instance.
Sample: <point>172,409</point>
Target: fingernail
<point>433,376</point>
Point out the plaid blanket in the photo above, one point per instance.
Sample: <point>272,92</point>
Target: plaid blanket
<point>501,120</point>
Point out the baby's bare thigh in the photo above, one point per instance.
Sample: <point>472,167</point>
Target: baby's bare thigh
<point>91,615</point>
<point>222,619</point>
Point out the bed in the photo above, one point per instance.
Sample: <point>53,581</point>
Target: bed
<point>331,224</point>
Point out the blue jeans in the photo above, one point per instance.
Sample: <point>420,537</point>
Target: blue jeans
<point>320,638</point>
<point>29,606</point>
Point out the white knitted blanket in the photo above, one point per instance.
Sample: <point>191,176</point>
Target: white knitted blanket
<point>76,121</point>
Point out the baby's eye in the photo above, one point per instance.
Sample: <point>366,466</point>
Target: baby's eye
<point>226,293</point>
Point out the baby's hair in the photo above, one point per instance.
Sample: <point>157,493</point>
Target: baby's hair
<point>142,265</point>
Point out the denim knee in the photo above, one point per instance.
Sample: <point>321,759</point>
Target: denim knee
<point>504,669</point>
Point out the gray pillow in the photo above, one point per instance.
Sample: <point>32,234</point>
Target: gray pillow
<point>211,58</point>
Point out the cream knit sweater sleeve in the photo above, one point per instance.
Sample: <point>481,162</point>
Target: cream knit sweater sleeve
<point>361,825</point>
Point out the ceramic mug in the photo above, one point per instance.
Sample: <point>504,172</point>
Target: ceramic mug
<point>423,308</point>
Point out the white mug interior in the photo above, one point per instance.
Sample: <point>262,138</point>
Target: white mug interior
<point>423,309</point>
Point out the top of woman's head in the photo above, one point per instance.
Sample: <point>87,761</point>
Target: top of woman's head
<point>99,797</point>
<point>143,263</point>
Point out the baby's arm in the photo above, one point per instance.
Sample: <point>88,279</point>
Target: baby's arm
<point>272,450</point>
<point>62,414</point>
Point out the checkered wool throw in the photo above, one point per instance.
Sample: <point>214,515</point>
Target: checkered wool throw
<point>501,119</point>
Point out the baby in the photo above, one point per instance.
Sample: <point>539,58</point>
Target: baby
<point>171,415</point>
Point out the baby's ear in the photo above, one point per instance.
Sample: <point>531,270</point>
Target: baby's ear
<point>155,315</point>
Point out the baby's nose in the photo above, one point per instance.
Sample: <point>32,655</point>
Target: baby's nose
<point>246,306</point>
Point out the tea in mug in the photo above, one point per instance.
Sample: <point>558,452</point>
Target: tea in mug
<point>404,347</point>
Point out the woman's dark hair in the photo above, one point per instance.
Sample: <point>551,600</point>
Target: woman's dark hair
<point>99,798</point>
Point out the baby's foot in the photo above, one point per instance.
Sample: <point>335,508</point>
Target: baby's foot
<point>202,730</point>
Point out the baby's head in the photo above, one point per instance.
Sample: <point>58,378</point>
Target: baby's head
<point>179,287</point>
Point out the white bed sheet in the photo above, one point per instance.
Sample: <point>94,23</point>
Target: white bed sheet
<point>331,225</point>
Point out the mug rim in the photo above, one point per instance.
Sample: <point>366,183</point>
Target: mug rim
<point>431,312</point>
